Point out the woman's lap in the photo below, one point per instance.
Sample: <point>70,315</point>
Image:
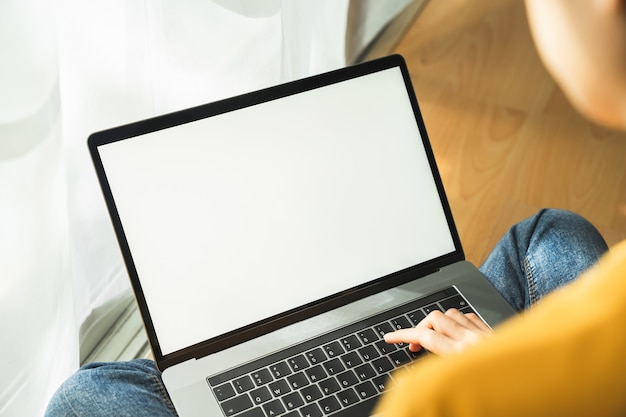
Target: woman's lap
<point>535,257</point>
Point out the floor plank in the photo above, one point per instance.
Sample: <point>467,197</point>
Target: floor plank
<point>506,139</point>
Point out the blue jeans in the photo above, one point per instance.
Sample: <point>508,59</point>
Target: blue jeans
<point>536,256</point>
<point>541,254</point>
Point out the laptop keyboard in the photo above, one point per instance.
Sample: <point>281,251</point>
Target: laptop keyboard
<point>340,373</point>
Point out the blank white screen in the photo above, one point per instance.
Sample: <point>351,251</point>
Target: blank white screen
<point>241,216</point>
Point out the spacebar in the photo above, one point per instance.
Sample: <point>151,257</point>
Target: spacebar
<point>362,409</point>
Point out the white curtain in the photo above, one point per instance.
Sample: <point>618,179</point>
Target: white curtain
<point>39,340</point>
<point>72,67</point>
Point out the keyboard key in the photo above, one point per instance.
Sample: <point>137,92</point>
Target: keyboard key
<point>369,352</point>
<point>347,379</point>
<point>317,373</point>
<point>293,401</point>
<point>224,392</point>
<point>351,342</point>
<point>333,366</point>
<point>431,308</point>
<point>401,323</point>
<point>351,359</point>
<point>311,410</point>
<point>311,393</point>
<point>260,395</point>
<point>329,386</point>
<point>274,408</point>
<point>416,316</point>
<point>254,412</point>
<point>329,405</point>
<point>382,365</point>
<point>293,413</point>
<point>298,363</point>
<point>365,372</point>
<point>280,387</point>
<point>367,336</point>
<point>280,369</point>
<point>381,383</point>
<point>316,356</point>
<point>383,328</point>
<point>399,358</point>
<point>366,390</point>
<point>298,380</point>
<point>418,354</point>
<point>457,302</point>
<point>468,310</point>
<point>236,405</point>
<point>243,384</point>
<point>385,347</point>
<point>262,377</point>
<point>333,349</point>
<point>348,397</point>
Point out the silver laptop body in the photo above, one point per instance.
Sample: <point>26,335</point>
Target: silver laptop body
<point>253,225</point>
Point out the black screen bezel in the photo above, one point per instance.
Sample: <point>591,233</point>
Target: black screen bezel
<point>246,100</point>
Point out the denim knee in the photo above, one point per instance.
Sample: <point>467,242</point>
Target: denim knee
<point>132,388</point>
<point>563,246</point>
<point>568,239</point>
<point>542,253</point>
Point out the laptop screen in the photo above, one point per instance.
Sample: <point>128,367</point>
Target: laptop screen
<point>241,216</point>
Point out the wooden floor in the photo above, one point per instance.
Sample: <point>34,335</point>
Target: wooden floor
<point>506,140</point>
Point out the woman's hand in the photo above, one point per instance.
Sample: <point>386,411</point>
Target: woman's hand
<point>442,333</point>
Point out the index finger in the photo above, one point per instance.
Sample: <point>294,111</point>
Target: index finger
<point>422,337</point>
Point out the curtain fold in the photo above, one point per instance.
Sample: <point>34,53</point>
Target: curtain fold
<point>39,337</point>
<point>72,67</point>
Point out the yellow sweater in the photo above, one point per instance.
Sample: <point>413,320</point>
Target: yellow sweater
<point>565,357</point>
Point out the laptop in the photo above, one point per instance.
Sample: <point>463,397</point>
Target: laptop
<point>272,238</point>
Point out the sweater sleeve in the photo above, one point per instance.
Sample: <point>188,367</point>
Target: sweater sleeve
<point>563,357</point>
